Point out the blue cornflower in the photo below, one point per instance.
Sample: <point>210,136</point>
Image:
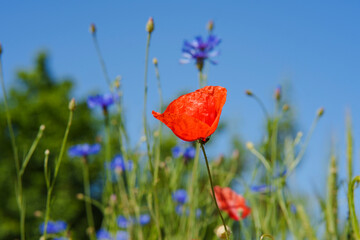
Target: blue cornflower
<point>260,188</point>
<point>102,234</point>
<point>121,235</point>
<point>83,150</point>
<point>189,152</point>
<point>62,238</point>
<point>293,208</point>
<point>122,222</point>
<point>101,100</point>
<point>118,164</point>
<point>200,50</point>
<point>53,227</point>
<point>177,151</point>
<point>180,196</point>
<point>144,219</point>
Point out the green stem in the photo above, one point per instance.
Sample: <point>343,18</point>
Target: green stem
<point>89,213</point>
<point>57,167</point>
<point>354,221</point>
<point>102,62</point>
<point>212,189</point>
<point>145,101</point>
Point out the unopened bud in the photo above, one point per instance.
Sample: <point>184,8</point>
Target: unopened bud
<point>249,145</point>
<point>155,61</point>
<point>92,28</point>
<point>150,25</point>
<point>117,82</point>
<point>1,49</point>
<point>278,93</point>
<point>210,26</point>
<point>72,104</point>
<point>42,127</point>
<point>38,213</point>
<point>221,233</point>
<point>47,152</point>
<point>248,92</point>
<point>80,196</point>
<point>286,108</point>
<point>320,112</point>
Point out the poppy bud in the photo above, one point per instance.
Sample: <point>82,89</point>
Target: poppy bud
<point>42,127</point>
<point>221,233</point>
<point>320,112</point>
<point>210,26</point>
<point>155,61</point>
<point>249,145</point>
<point>72,105</point>
<point>92,28</point>
<point>248,92</point>
<point>150,25</point>
<point>47,152</point>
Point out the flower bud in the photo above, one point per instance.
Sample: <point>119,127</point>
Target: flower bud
<point>320,112</point>
<point>278,93</point>
<point>286,108</point>
<point>72,105</point>
<point>92,28</point>
<point>42,127</point>
<point>248,92</point>
<point>117,82</point>
<point>1,49</point>
<point>249,145</point>
<point>150,25</point>
<point>80,196</point>
<point>210,26</point>
<point>155,61</point>
<point>38,213</point>
<point>221,233</point>
<point>47,152</point>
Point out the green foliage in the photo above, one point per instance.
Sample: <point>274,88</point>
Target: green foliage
<point>36,99</point>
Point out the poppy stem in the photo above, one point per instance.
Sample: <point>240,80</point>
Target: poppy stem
<point>212,189</point>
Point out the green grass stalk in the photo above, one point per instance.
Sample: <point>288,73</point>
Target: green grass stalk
<point>353,218</point>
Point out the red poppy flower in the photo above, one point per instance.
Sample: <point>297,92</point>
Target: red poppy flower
<point>231,202</point>
<point>195,115</point>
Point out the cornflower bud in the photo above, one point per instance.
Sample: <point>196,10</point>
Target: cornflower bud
<point>155,61</point>
<point>92,28</point>
<point>248,92</point>
<point>150,25</point>
<point>278,93</point>
<point>210,26</point>
<point>72,105</point>
<point>320,112</point>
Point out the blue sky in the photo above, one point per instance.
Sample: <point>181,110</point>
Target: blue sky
<point>312,45</point>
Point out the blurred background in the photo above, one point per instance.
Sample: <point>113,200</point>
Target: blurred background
<point>310,49</point>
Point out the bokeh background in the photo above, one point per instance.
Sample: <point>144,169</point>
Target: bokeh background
<point>310,49</point>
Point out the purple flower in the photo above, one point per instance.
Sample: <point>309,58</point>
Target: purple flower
<point>102,234</point>
<point>121,235</point>
<point>122,222</point>
<point>189,152</point>
<point>200,50</point>
<point>176,151</point>
<point>101,100</point>
<point>179,209</point>
<point>118,164</point>
<point>83,150</point>
<point>260,188</point>
<point>180,196</point>
<point>144,219</point>
<point>53,227</point>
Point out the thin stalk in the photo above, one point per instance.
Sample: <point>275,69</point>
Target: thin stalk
<point>145,101</point>
<point>353,218</point>
<point>89,214</point>
<point>212,188</point>
<point>261,104</point>
<point>57,167</point>
<point>201,79</point>
<point>101,60</point>
<point>331,203</point>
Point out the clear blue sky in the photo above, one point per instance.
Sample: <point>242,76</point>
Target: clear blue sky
<point>314,45</point>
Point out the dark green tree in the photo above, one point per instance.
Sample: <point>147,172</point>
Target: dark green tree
<point>38,98</point>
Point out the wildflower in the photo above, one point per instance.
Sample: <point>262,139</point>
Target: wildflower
<point>195,116</point>
<point>102,234</point>
<point>101,100</point>
<point>260,188</point>
<point>119,165</point>
<point>221,233</point>
<point>200,50</point>
<point>83,150</point>
<point>53,227</point>
<point>144,219</point>
<point>180,196</point>
<point>179,209</point>
<point>188,152</point>
<point>231,202</point>
<point>121,235</point>
<point>122,222</point>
